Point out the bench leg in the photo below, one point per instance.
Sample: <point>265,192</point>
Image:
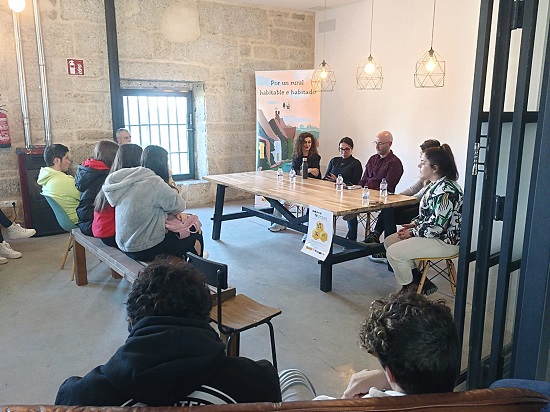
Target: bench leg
<point>80,263</point>
<point>115,274</point>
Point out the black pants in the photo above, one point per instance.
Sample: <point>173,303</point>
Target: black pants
<point>4,221</point>
<point>402,215</point>
<point>171,245</point>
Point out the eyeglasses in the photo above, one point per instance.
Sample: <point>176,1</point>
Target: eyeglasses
<point>379,143</point>
<point>344,149</point>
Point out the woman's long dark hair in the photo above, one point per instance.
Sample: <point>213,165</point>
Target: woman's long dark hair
<point>443,158</point>
<point>300,141</point>
<point>105,151</point>
<point>128,155</point>
<point>156,159</point>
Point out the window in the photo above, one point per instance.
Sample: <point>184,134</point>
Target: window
<point>163,119</point>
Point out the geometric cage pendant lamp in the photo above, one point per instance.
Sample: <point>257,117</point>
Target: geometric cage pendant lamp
<point>369,72</point>
<point>323,78</point>
<point>430,68</point>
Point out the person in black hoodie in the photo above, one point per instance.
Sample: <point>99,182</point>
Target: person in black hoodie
<point>172,357</point>
<point>88,180</point>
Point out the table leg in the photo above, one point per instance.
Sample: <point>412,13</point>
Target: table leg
<point>218,212</point>
<point>326,272</point>
<point>80,264</point>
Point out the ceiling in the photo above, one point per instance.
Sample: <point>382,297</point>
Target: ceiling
<point>304,5</point>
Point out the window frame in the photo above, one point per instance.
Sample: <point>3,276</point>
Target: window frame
<point>190,129</point>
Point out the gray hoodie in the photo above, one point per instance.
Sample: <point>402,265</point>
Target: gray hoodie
<point>142,202</point>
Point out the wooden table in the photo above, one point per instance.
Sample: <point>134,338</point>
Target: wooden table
<point>305,192</point>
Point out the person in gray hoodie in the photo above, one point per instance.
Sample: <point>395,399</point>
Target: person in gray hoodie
<point>143,200</point>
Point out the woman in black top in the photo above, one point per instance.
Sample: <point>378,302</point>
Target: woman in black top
<point>305,146</point>
<point>351,170</point>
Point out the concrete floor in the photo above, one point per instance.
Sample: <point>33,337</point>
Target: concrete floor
<point>51,329</point>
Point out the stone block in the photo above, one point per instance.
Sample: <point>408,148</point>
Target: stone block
<point>180,22</point>
<point>265,52</point>
<point>214,109</point>
<point>76,116</point>
<point>162,48</point>
<point>198,193</point>
<point>163,71</point>
<point>75,98</point>
<point>295,54</point>
<point>90,41</point>
<point>233,20</point>
<point>81,151</point>
<point>85,84</point>
<point>208,50</point>
<point>10,187</point>
<point>284,37</point>
<point>89,10</point>
<point>139,13</point>
<point>241,83</point>
<point>134,43</point>
<point>249,66</point>
<point>296,21</point>
<point>245,50</point>
<point>93,135</point>
<point>57,39</point>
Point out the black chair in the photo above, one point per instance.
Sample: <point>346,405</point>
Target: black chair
<point>238,313</point>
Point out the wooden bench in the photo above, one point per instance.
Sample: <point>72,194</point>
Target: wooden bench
<point>121,265</point>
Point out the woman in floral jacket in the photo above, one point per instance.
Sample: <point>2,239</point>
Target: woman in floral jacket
<point>435,232</point>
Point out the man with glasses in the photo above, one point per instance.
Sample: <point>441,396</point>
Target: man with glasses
<point>382,165</point>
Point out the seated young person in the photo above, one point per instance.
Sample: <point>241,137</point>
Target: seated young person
<point>414,339</point>
<point>15,231</point>
<point>172,356</point>
<point>143,200</point>
<point>103,226</point>
<point>350,168</point>
<point>436,230</point>
<point>89,178</point>
<point>55,181</point>
<point>402,214</point>
<point>304,147</point>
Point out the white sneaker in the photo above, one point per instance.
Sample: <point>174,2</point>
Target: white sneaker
<point>15,231</point>
<point>3,260</point>
<point>7,252</point>
<point>275,227</point>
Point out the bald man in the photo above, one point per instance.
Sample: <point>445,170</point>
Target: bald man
<point>382,165</point>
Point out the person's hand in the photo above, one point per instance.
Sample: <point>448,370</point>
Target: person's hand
<point>408,225</point>
<point>331,177</point>
<point>182,216</point>
<point>404,233</point>
<point>362,381</point>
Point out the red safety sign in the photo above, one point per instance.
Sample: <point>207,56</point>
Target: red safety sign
<point>75,67</point>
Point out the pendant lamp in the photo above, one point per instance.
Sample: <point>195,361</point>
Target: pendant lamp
<point>369,72</point>
<point>430,69</point>
<point>323,79</point>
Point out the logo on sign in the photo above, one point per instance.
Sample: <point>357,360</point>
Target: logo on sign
<point>75,67</point>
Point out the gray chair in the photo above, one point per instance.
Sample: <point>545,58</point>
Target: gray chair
<point>66,224</point>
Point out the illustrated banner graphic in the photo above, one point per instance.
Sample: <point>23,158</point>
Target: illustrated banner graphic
<point>319,233</point>
<point>286,106</point>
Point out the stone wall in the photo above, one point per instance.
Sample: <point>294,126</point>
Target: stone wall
<point>212,47</point>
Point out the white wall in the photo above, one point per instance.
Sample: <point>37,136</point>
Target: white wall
<point>401,34</point>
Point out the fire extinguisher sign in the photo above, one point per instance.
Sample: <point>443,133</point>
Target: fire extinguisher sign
<point>75,67</point>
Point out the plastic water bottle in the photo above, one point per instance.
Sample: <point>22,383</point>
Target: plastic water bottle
<point>279,175</point>
<point>365,196</point>
<point>339,183</point>
<point>292,176</point>
<point>383,190</point>
<point>304,168</point>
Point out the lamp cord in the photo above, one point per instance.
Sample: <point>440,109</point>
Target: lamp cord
<point>371,20</point>
<point>433,24</point>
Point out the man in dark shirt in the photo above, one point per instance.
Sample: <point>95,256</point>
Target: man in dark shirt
<point>172,356</point>
<point>382,165</point>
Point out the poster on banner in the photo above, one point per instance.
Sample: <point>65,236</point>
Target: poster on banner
<point>286,105</point>
<point>319,233</point>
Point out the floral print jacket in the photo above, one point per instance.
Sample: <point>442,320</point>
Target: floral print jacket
<point>440,212</point>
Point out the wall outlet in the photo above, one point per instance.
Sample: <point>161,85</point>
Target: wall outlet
<point>8,204</point>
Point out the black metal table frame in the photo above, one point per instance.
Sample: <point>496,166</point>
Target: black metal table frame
<point>353,250</point>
